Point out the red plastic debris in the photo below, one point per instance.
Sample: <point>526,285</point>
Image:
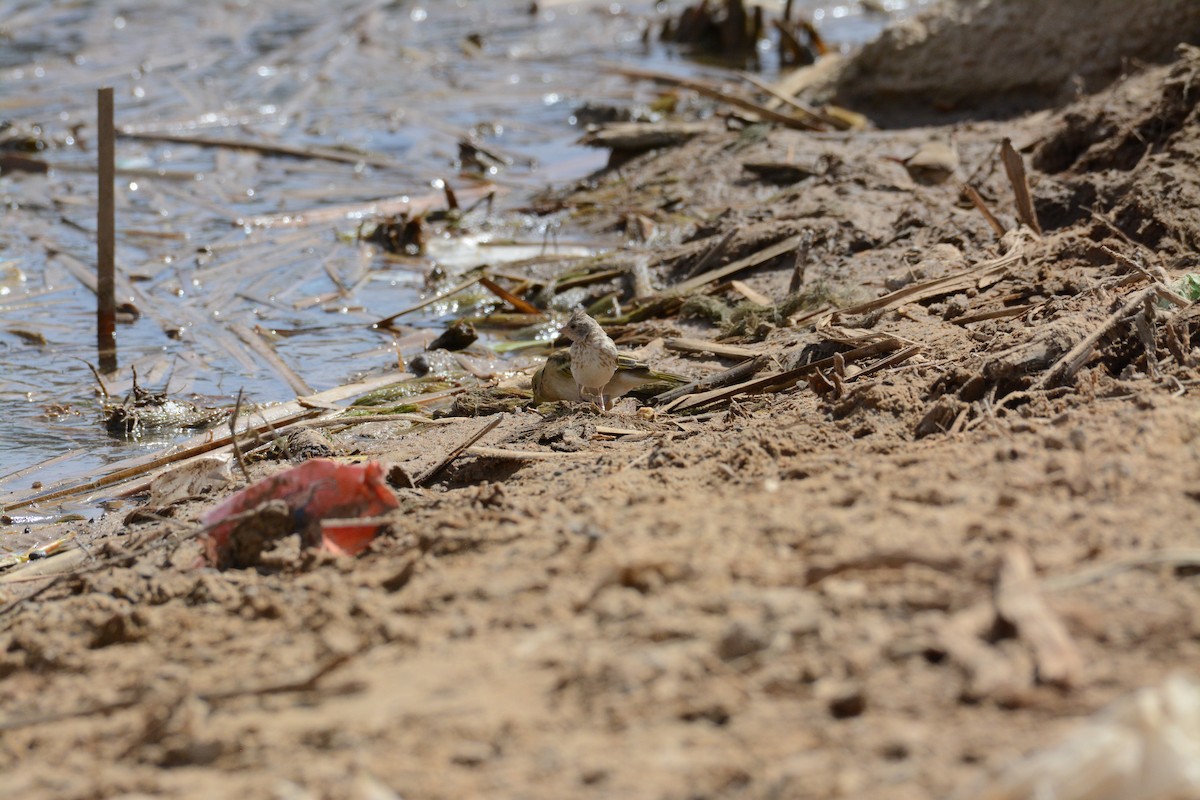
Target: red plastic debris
<point>316,490</point>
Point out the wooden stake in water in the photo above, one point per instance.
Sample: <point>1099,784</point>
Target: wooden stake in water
<point>106,295</point>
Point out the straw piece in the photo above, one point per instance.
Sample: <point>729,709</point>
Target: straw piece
<point>710,90</point>
<point>762,256</point>
<point>1014,166</point>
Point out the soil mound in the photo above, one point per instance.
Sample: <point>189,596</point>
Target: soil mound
<point>1005,56</point>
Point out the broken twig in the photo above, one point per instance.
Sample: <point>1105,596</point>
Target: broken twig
<point>712,253</point>
<point>977,201</point>
<point>457,451</point>
<point>732,375</point>
<point>1019,601</point>
<point>785,380</point>
<point>684,345</point>
<point>976,277</point>
<point>522,455</point>
<point>504,294</point>
<point>233,437</point>
<point>710,90</point>
<point>762,256</point>
<point>1073,360</point>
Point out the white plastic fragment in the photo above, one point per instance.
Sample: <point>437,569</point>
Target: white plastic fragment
<point>1144,746</point>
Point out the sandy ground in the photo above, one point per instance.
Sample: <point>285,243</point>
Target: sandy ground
<point>796,595</point>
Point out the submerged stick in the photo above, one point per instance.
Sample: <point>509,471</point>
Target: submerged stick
<point>266,148</point>
<point>268,354</point>
<point>598,276</point>
<point>384,206</point>
<point>386,322</point>
<point>504,294</point>
<point>126,473</point>
<point>106,292</point>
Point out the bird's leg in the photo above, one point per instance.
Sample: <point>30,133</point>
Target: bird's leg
<point>594,396</point>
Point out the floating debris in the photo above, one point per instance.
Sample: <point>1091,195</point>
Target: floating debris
<point>401,233</point>
<point>729,32</point>
<point>145,413</point>
<point>458,336</point>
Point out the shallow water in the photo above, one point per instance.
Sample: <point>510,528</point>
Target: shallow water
<point>206,240</point>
